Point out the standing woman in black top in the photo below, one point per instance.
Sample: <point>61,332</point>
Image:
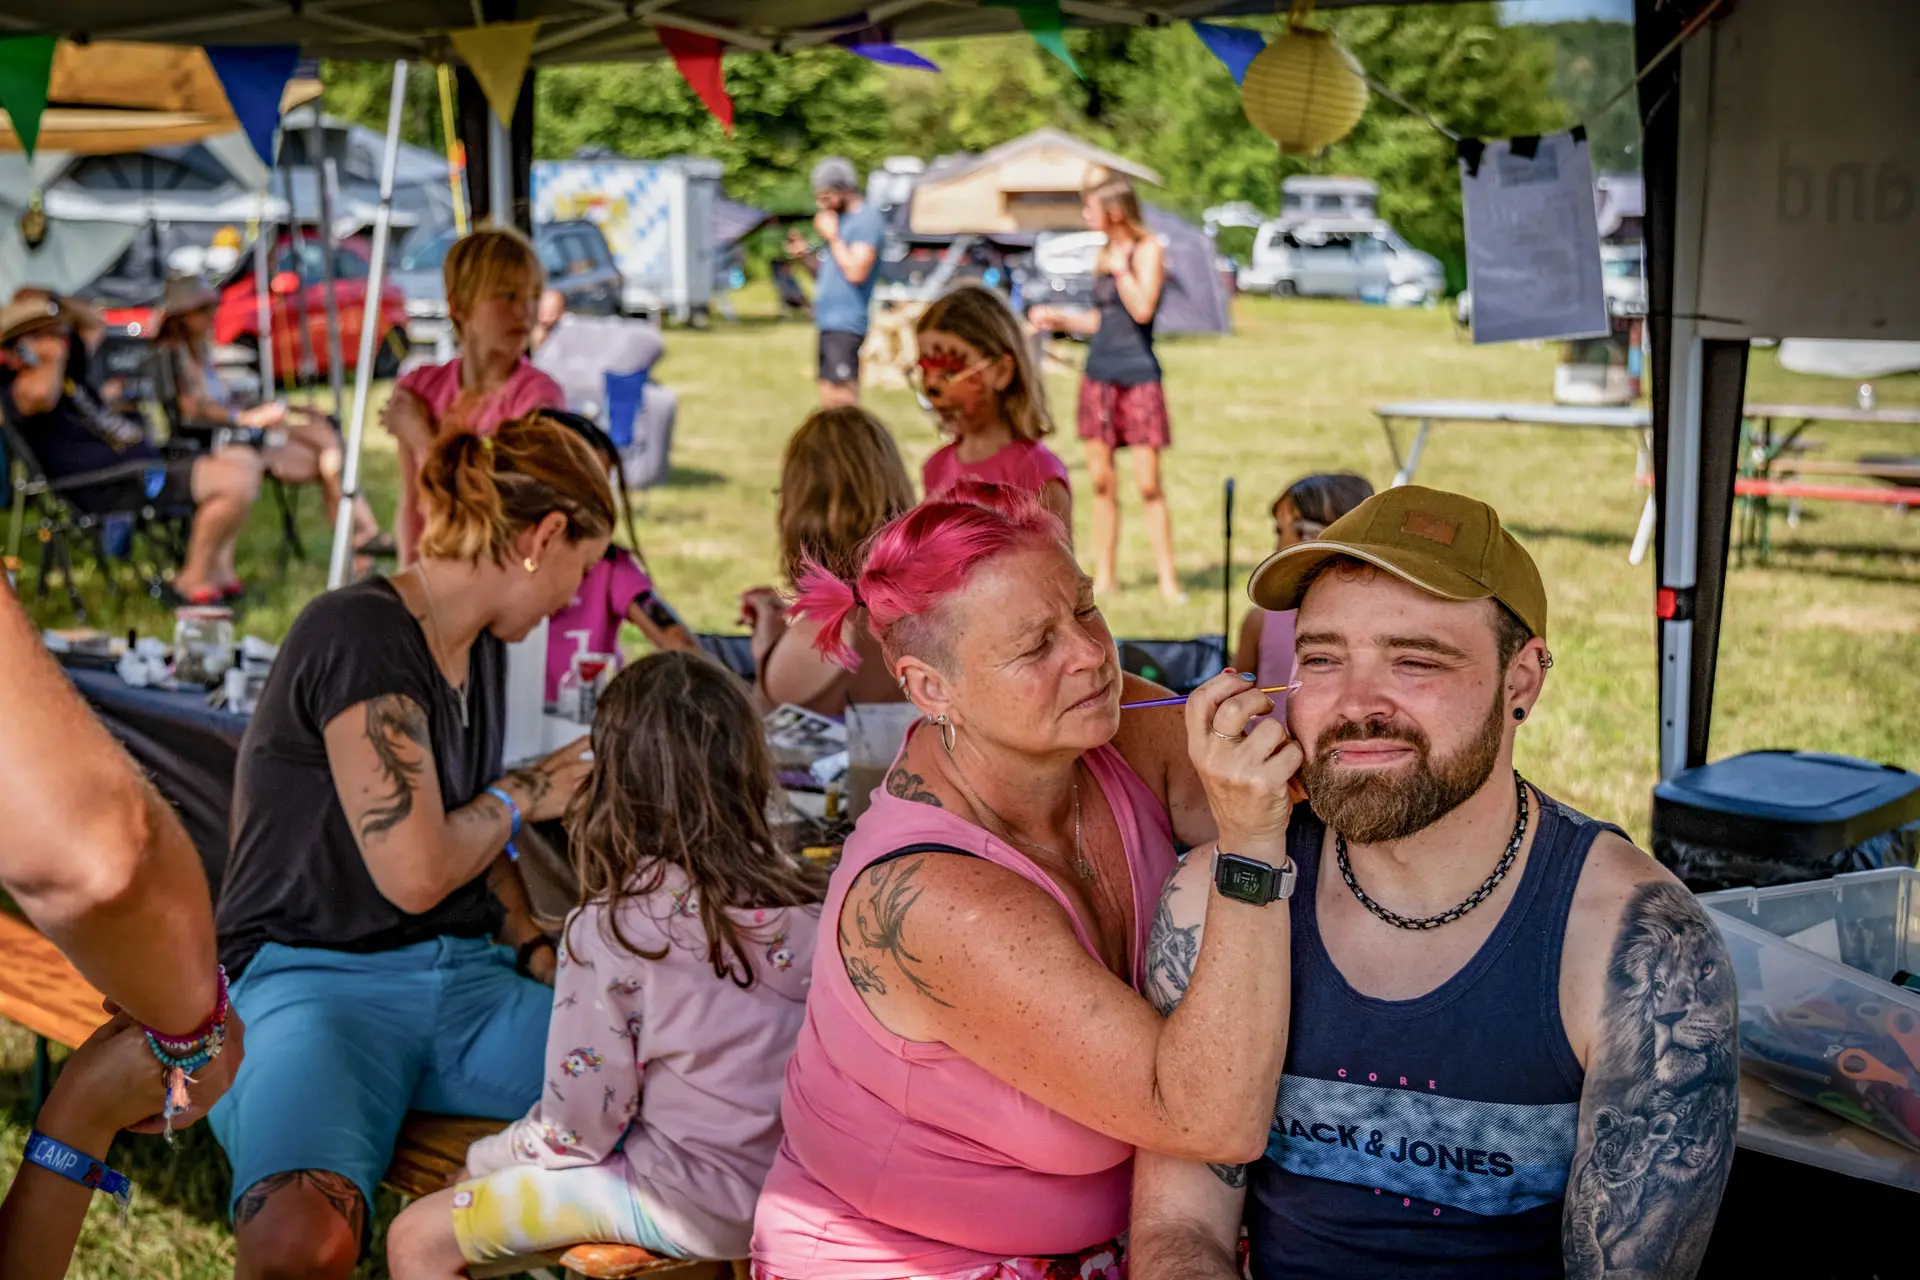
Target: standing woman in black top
<point>1122,404</point>
<point>370,923</point>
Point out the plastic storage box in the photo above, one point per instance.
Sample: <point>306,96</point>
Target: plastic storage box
<point>1820,1017</point>
<point>1782,817</point>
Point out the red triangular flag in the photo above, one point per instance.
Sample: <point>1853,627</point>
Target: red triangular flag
<point>698,58</point>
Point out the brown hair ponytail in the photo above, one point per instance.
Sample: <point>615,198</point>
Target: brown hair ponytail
<point>480,492</point>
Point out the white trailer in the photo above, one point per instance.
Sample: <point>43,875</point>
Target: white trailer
<point>657,217</point>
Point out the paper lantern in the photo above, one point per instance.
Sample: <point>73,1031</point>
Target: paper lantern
<point>1304,91</point>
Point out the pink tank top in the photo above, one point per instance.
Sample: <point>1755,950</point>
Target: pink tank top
<point>903,1158</point>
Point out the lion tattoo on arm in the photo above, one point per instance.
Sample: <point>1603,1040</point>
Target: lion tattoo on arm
<point>1661,1098</point>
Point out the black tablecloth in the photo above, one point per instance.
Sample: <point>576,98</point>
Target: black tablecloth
<point>187,747</point>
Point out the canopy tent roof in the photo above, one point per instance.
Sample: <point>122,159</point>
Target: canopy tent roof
<point>586,30</point>
<point>109,97</point>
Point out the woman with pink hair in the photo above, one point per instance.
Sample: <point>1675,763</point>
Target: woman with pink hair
<point>978,1061</point>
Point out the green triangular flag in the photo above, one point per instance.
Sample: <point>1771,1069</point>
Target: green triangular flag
<point>26,65</point>
<point>1042,20</point>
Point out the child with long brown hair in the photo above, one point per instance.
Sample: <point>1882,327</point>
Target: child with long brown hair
<point>842,479</point>
<point>493,280</point>
<point>978,374</point>
<point>680,993</point>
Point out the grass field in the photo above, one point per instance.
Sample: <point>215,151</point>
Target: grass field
<point>1821,648</point>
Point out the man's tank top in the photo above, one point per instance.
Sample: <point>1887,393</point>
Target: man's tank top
<point>1428,1137</point>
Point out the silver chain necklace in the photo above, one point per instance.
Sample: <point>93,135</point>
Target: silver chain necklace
<point>440,643</point>
<point>1477,897</point>
<point>1079,860</point>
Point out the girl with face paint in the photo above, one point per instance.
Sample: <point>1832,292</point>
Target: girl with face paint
<point>978,375</point>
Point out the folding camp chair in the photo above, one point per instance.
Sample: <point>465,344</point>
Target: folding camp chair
<point>118,519</point>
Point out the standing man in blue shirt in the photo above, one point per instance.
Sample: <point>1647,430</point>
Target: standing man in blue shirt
<point>851,233</point>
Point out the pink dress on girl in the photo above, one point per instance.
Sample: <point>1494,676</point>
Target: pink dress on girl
<point>438,386</point>
<point>1024,464</point>
<point>903,1158</point>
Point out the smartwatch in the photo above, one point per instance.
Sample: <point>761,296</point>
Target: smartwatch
<point>1250,880</point>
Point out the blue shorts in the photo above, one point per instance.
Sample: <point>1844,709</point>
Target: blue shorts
<point>341,1046</point>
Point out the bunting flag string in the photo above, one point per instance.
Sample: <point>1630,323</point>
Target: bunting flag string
<point>697,57</point>
<point>498,55</point>
<point>26,66</point>
<point>254,76</point>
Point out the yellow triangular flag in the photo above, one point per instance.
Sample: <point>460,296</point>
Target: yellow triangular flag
<point>498,54</point>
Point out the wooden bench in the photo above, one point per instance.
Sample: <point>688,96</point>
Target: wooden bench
<point>44,993</point>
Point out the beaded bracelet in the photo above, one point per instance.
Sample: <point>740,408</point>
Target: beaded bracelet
<point>180,1056</point>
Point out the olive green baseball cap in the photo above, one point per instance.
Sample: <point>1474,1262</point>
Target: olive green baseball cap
<point>1445,544</point>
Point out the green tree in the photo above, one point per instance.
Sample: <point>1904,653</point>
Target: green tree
<point>361,92</point>
<point>1591,61</point>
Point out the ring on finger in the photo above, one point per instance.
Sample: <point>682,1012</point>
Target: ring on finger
<point>1227,737</point>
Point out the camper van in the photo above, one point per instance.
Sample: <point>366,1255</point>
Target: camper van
<point>1324,199</point>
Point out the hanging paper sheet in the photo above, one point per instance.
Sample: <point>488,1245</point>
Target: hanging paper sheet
<point>1533,240</point>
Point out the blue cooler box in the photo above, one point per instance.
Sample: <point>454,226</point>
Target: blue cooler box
<point>1782,817</point>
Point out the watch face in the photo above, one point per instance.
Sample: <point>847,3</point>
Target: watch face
<point>1244,879</point>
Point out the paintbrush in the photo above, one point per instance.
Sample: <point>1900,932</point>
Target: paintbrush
<point>1181,700</point>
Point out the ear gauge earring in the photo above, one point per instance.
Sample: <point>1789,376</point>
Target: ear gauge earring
<point>530,565</point>
<point>1519,713</point>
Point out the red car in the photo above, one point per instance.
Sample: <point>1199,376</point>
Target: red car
<point>299,288</point>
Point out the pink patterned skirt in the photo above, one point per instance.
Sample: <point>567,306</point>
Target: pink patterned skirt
<point>1106,1261</point>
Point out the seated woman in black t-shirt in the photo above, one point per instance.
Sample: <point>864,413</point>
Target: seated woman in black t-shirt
<point>367,883</point>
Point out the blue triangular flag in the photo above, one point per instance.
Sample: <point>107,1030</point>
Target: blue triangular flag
<point>885,52</point>
<point>1237,47</point>
<point>254,76</point>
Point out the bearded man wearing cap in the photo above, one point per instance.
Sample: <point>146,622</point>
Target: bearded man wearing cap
<point>60,416</point>
<point>851,234</point>
<point>1512,1041</point>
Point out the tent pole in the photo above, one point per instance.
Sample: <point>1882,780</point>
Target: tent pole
<point>323,175</point>
<point>499,171</point>
<point>369,332</point>
<point>265,234</point>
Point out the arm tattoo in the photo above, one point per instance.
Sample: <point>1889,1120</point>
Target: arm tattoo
<point>910,786</point>
<point>392,721</point>
<point>1234,1175</point>
<point>881,922</point>
<point>1661,1099</point>
<point>1171,952</point>
<point>340,1193</point>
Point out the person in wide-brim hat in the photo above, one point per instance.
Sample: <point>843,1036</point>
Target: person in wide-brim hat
<point>30,311</point>
<point>304,447</point>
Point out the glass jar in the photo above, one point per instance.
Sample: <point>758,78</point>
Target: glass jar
<point>202,645</point>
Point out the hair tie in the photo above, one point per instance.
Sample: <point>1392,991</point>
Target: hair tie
<point>486,443</point>
<point>857,600</point>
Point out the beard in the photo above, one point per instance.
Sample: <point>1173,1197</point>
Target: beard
<point>1381,806</point>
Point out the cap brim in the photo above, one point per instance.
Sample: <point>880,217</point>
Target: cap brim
<point>1281,580</point>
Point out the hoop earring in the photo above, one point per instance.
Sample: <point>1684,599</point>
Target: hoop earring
<point>530,565</point>
<point>947,732</point>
